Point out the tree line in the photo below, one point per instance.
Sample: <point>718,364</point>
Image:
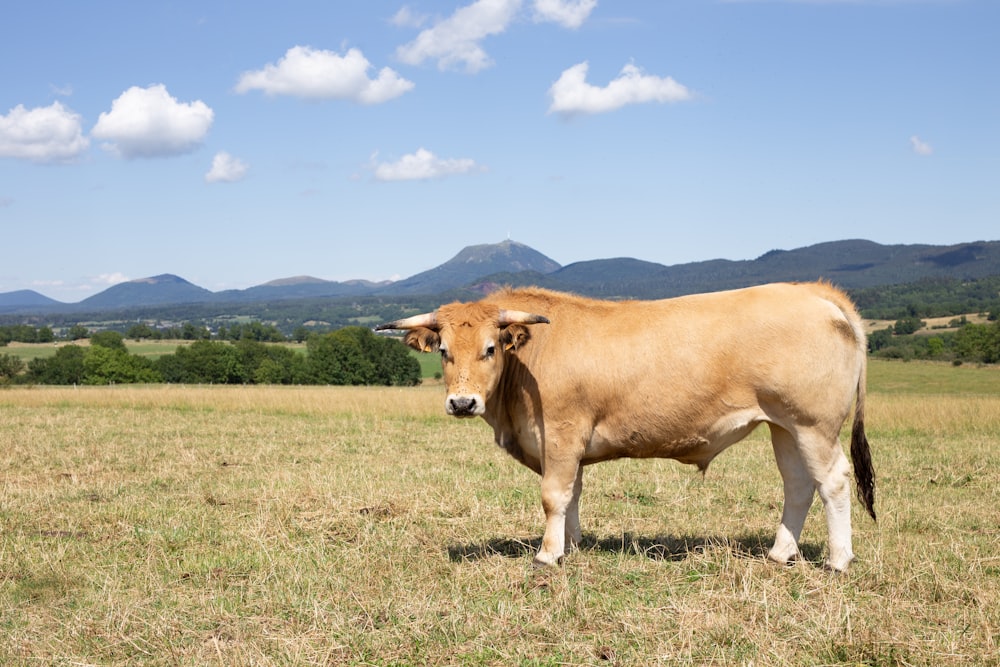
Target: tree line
<point>245,362</point>
<point>975,343</point>
<point>931,297</point>
<point>348,356</point>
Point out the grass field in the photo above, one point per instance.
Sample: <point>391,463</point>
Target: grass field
<point>170,525</point>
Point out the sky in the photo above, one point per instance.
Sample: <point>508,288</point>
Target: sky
<point>237,142</point>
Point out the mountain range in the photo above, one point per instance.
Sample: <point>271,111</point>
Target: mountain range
<point>478,269</point>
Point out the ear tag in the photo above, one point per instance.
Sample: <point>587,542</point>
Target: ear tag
<point>508,347</point>
<point>427,348</point>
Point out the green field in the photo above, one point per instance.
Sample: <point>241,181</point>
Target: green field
<point>252,525</point>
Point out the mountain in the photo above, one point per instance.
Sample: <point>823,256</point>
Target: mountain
<point>156,290</point>
<point>299,287</point>
<point>851,264</point>
<point>473,263</point>
<point>476,270</point>
<point>25,299</point>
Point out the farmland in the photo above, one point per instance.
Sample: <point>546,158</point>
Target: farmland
<point>327,525</point>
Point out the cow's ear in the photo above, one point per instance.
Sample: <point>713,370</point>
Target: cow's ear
<point>423,340</point>
<point>514,337</point>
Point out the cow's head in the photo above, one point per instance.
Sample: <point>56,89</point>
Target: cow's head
<point>473,339</point>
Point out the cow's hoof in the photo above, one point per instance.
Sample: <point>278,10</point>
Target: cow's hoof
<point>837,568</point>
<point>782,557</point>
<point>546,560</point>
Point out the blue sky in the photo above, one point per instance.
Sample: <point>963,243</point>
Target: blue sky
<point>234,143</point>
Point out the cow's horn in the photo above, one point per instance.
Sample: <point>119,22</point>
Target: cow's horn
<point>520,317</point>
<point>426,320</point>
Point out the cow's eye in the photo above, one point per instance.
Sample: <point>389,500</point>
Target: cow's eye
<point>490,351</point>
<point>444,352</point>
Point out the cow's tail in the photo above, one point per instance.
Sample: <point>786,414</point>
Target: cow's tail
<point>864,473</point>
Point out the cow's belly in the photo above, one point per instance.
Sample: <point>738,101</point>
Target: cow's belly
<point>696,443</point>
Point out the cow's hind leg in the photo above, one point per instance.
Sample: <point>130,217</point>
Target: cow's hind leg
<point>835,491</point>
<point>799,490</point>
<point>807,463</point>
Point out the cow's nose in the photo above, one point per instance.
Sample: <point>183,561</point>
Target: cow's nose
<point>461,406</point>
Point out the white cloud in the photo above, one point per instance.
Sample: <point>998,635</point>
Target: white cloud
<point>149,122</point>
<point>422,165</point>
<point>406,18</point>
<point>454,41</point>
<point>317,74</point>
<point>43,134</point>
<point>226,169</point>
<point>571,94</point>
<point>110,278</point>
<point>47,283</point>
<point>920,147</point>
<point>567,13</point>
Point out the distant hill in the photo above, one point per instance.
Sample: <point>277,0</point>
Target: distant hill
<point>299,287</point>
<point>25,299</point>
<point>156,290</point>
<point>475,270</point>
<point>851,264</point>
<point>471,264</point>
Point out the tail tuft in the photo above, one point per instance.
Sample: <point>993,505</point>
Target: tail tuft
<point>864,473</point>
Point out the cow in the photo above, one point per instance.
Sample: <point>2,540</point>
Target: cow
<point>566,381</point>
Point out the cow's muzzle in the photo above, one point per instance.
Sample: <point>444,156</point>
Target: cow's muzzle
<point>464,406</point>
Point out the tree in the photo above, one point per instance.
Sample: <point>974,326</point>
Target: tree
<point>935,346</point>
<point>979,342</point>
<point>10,368</point>
<point>354,355</point>
<point>191,332</point>
<point>266,364</point>
<point>66,367</point>
<point>880,339</point>
<point>77,331</point>
<point>336,358</point>
<point>395,365</point>
<point>908,325</point>
<point>110,365</point>
<point>139,331</point>
<point>202,362</point>
<point>171,368</point>
<point>111,340</point>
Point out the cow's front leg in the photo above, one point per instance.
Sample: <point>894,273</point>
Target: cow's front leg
<point>559,482</point>
<point>574,535</point>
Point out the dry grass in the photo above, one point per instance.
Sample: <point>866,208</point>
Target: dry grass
<point>283,525</point>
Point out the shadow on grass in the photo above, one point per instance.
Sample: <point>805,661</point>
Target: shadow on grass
<point>659,547</point>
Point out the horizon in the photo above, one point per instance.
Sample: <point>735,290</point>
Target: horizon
<point>308,278</point>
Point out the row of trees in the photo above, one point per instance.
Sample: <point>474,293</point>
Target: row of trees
<point>25,333</point>
<point>931,297</point>
<point>976,343</point>
<point>258,331</point>
<point>349,356</point>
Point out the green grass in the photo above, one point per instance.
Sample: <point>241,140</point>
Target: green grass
<point>325,526</point>
<point>930,377</point>
<point>430,364</point>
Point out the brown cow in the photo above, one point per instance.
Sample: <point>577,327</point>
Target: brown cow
<point>680,378</point>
